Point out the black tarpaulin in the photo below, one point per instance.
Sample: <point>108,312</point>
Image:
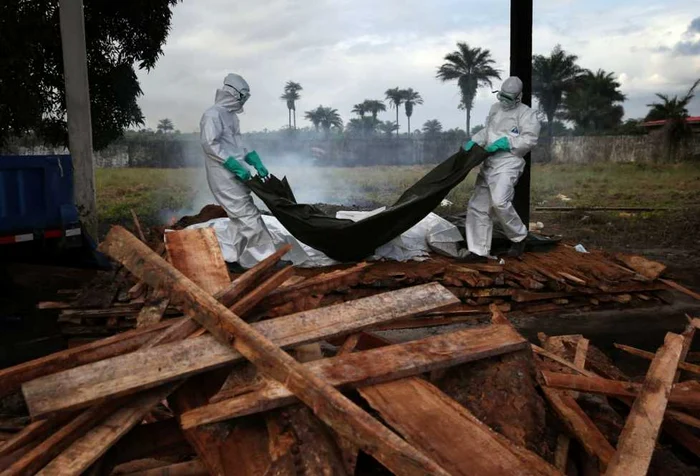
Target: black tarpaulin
<point>346,240</point>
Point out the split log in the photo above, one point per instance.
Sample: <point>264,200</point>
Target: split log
<point>638,439</point>
<point>421,413</point>
<point>646,267</point>
<point>335,410</point>
<point>364,368</point>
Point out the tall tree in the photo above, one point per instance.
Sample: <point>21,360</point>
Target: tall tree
<point>432,128</point>
<point>325,118</point>
<point>410,100</point>
<point>388,127</point>
<point>291,96</point>
<point>120,36</point>
<point>359,109</point>
<point>593,102</point>
<point>552,77</point>
<point>165,126</point>
<point>674,110</point>
<point>374,106</point>
<point>396,97</point>
<point>471,68</point>
<point>362,126</point>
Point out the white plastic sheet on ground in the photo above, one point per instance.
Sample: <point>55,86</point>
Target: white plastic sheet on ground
<point>411,245</point>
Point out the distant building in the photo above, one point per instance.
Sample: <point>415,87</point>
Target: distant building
<point>694,122</point>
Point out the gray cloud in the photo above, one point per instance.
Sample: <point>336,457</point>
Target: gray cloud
<point>691,46</point>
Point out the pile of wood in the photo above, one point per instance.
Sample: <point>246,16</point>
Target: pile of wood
<point>557,280</point>
<point>205,392</point>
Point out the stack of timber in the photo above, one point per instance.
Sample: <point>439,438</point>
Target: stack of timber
<point>281,371</point>
<point>557,280</point>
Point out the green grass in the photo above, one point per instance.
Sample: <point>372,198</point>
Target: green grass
<point>152,191</point>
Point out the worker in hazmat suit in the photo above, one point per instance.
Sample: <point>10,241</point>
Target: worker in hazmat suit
<point>511,131</point>
<point>225,163</point>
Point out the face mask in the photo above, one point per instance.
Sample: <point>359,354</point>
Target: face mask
<point>508,101</point>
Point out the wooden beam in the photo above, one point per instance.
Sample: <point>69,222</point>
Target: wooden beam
<point>367,367</point>
<point>245,305</point>
<point>692,368</point>
<point>421,413</point>
<point>143,369</point>
<point>615,388</point>
<point>580,425</point>
<point>544,353</point>
<point>561,455</point>
<point>638,438</point>
<point>327,403</point>
<point>680,288</point>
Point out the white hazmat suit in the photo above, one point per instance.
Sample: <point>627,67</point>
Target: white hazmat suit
<point>495,183</point>
<point>220,136</point>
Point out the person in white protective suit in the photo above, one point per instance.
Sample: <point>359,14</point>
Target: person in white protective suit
<point>225,159</point>
<point>511,131</point>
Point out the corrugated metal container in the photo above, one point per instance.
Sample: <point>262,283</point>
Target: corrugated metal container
<point>36,194</point>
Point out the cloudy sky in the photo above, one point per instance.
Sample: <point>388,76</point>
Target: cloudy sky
<point>345,51</point>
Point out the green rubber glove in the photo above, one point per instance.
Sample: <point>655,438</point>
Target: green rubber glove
<point>500,144</point>
<point>467,147</point>
<point>252,158</point>
<point>236,168</point>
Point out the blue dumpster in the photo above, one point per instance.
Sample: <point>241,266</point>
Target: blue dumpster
<point>36,199</point>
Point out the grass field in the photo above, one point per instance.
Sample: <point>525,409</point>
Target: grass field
<point>155,192</point>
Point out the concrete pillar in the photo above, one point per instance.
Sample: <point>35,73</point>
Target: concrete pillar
<point>521,66</point>
<point>78,106</point>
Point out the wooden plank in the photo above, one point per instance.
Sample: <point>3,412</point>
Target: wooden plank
<point>692,368</point>
<point>34,431</point>
<point>247,281</point>
<point>90,447</point>
<point>680,288</point>
<point>580,425</point>
<point>638,438</point>
<point>129,373</point>
<point>544,353</point>
<point>196,253</point>
<point>457,440</point>
<point>327,403</point>
<point>11,378</point>
<point>83,451</point>
<point>137,226</point>
<point>245,305</point>
<point>614,388</point>
<point>364,368</point>
<point>153,309</point>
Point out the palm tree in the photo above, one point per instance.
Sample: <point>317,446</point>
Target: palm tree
<point>471,67</point>
<point>432,128</point>
<point>388,127</point>
<point>325,118</point>
<point>314,116</point>
<point>674,111</point>
<point>592,102</point>
<point>359,109</point>
<point>411,98</point>
<point>291,96</point>
<point>552,77</point>
<point>363,126</point>
<point>374,106</point>
<point>165,126</point>
<point>396,98</point>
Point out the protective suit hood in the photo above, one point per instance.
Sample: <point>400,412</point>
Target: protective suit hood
<point>511,93</point>
<point>234,93</point>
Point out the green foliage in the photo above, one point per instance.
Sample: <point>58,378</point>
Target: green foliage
<point>165,126</point>
<point>592,104</point>
<point>119,36</point>
<point>388,128</point>
<point>432,128</point>
<point>291,96</point>
<point>396,97</point>
<point>411,98</point>
<point>552,77</point>
<point>324,118</point>
<point>362,126</point>
<point>676,131</point>
<point>374,106</point>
